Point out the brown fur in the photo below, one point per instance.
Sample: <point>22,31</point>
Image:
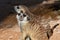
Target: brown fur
<point>38,27</point>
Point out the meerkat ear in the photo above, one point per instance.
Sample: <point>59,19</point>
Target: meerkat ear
<point>21,11</point>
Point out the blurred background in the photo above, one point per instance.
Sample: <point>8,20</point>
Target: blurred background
<point>6,6</point>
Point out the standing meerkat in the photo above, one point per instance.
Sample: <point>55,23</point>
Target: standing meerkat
<point>21,16</point>
<point>32,28</point>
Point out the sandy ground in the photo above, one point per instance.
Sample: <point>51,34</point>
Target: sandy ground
<point>9,30</point>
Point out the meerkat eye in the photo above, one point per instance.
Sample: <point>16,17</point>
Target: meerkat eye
<point>17,7</point>
<point>19,14</point>
<point>21,11</point>
<point>24,15</point>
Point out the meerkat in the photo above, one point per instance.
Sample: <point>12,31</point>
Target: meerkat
<point>33,29</point>
<point>21,16</point>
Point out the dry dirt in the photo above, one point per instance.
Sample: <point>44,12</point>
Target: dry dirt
<point>9,30</point>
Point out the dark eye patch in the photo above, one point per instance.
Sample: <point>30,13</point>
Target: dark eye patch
<point>19,14</point>
<point>24,15</point>
<point>17,7</point>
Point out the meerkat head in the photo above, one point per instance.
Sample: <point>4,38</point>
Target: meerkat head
<point>21,13</point>
<point>19,9</point>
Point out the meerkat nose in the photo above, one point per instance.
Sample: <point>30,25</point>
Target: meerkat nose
<point>21,16</point>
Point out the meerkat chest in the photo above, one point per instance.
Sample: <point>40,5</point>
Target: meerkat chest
<point>23,23</point>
